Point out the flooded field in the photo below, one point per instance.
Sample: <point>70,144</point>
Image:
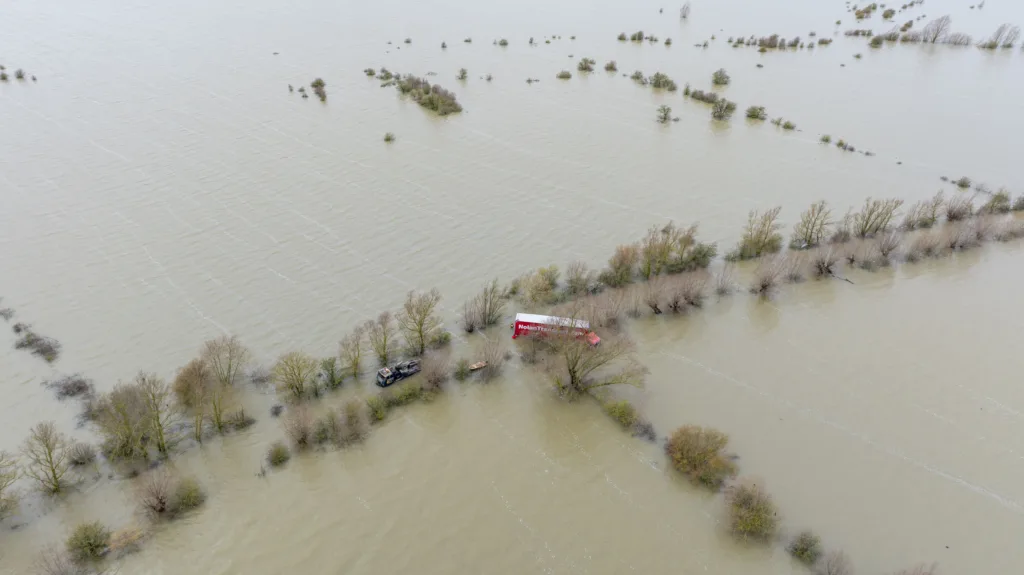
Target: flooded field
<point>160,185</point>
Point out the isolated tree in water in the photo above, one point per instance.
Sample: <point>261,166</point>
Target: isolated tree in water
<point>351,351</point>
<point>381,334</point>
<point>46,452</point>
<point>417,320</point>
<point>295,374</point>
<point>227,357</point>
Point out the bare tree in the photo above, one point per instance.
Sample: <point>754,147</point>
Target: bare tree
<point>824,262</point>
<point>812,229</point>
<point>295,374</point>
<point>724,283</point>
<point>417,320</point>
<point>160,411</point>
<point>875,216</point>
<point>8,475</point>
<point>937,30</point>
<point>491,304</point>
<point>351,351</point>
<point>46,452</point>
<point>381,334</point>
<point>122,419</point>
<point>55,561</point>
<point>494,353</point>
<point>654,291</point>
<point>767,276</point>
<point>576,367</point>
<point>220,398</point>
<point>227,358</point>
<point>836,563</point>
<point>687,290</point>
<point>435,372</point>
<point>298,425</point>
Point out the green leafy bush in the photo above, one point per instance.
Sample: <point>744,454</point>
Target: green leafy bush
<point>752,513</point>
<point>88,542</point>
<point>278,454</point>
<point>698,453</point>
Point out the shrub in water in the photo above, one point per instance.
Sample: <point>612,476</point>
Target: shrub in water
<point>278,454</point>
<point>963,183</point>
<point>431,97</point>
<point>621,411</point>
<point>585,65</point>
<point>760,236</point>
<point>564,75</point>
<point>462,369</point>
<point>787,125</point>
<point>752,513</point>
<point>697,452</point>
<point>723,109</point>
<point>757,113</point>
<point>611,67</point>
<point>378,408</point>
<point>188,495</point>
<point>720,77</point>
<point>81,454</point>
<point>88,542</point>
<point>463,74</point>
<point>503,42</point>
<point>806,547</point>
<point>998,204</point>
<point>662,81</point>
<point>389,137</point>
<point>623,37</point>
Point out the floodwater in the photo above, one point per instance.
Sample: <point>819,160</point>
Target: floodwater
<point>159,186</point>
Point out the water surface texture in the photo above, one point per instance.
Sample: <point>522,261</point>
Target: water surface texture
<point>159,186</point>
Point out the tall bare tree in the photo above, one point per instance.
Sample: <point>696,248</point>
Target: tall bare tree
<point>351,351</point>
<point>381,335</point>
<point>46,453</point>
<point>937,30</point>
<point>812,229</point>
<point>295,374</point>
<point>192,389</point>
<point>220,398</point>
<point>226,357</point>
<point>417,320</point>
<point>490,304</point>
<point>8,475</point>
<point>160,411</point>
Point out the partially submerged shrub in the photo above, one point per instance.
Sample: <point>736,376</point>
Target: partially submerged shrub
<point>435,372</point>
<point>623,37</point>
<point>664,114</point>
<point>494,356</point>
<point>963,183</point>
<point>723,109</point>
<point>298,425</point>
<point>662,81</point>
<point>389,137</point>
<point>585,65</point>
<point>88,542</point>
<point>959,207</point>
<point>752,513</point>
<point>71,386</point>
<point>503,42</point>
<point>767,276</point>
<point>327,428</point>
<point>702,96</point>
<point>461,371</point>
<point>564,75</point>
<point>757,113</point>
<point>1018,204</point>
<point>378,408</point>
<point>923,214</point>
<point>720,77</point>
<point>278,454</point>
<point>825,139</point>
<point>999,203</point>
<point>44,347</point>
<point>81,454</point>
<point>760,236</point>
<point>431,97</point>
<point>698,453</point>
<point>824,261</point>
<point>805,547</point>
<point>611,66</point>
<point>686,290</point>
<point>622,412</point>
<point>787,125</point>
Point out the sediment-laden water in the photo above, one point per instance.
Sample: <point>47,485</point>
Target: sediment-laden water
<point>159,186</point>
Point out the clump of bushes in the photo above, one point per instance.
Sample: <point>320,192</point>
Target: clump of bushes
<point>723,109</point>
<point>875,216</point>
<point>787,125</point>
<point>378,409</point>
<point>622,412</point>
<point>431,97</point>
<point>44,347</point>
<point>959,208</point>
<point>623,37</point>
<point>585,65</point>
<point>825,139</point>
<point>752,513</point>
<point>461,369</point>
<point>999,203</point>
<point>806,548</point>
<point>637,36</point>
<point>564,75</point>
<point>611,66</point>
<point>664,114</point>
<point>75,385</point>
<point>812,229</point>
<point>757,113</point>
<point>662,81</point>
<point>963,183</point>
<point>389,137</point>
<point>278,454</point>
<point>720,77</point>
<point>702,96</point>
<point>760,236</point>
<point>88,542</point>
<point>503,42</point>
<point>698,453</point>
<point>463,74</point>
<point>163,495</point>
<point>319,88</point>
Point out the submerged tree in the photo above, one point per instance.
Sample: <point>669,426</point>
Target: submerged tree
<point>664,114</point>
<point>295,374</point>
<point>812,229</point>
<point>381,335</point>
<point>122,416</point>
<point>160,411</point>
<point>418,321</point>
<point>227,357</point>
<point>46,453</point>
<point>351,351</point>
<point>191,389</point>
<point>760,236</point>
<point>937,30</point>
<point>8,475</point>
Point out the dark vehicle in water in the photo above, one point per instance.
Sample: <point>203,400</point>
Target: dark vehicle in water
<point>389,375</point>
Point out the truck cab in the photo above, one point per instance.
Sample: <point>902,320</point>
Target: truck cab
<point>389,375</point>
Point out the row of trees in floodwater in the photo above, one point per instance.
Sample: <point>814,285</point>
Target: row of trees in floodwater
<point>148,419</point>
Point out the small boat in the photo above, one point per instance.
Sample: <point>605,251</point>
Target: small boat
<point>478,365</point>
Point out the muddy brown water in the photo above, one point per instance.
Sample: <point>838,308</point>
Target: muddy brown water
<point>160,186</point>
